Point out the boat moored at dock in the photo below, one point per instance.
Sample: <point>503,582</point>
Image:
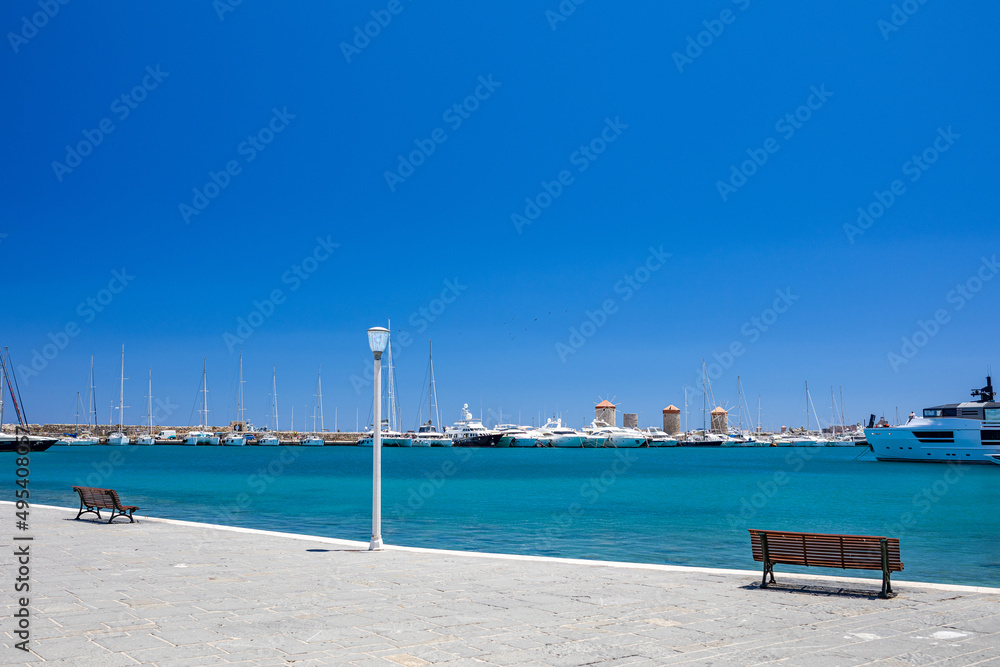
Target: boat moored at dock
<point>554,434</point>
<point>966,432</point>
<point>470,432</point>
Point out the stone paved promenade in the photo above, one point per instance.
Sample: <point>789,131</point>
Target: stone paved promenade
<point>172,593</point>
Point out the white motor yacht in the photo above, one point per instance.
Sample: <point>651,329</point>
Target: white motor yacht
<point>703,439</point>
<point>389,439</point>
<point>615,436</point>
<point>312,440</point>
<point>507,433</point>
<point>428,436</point>
<point>657,437</point>
<point>77,441</point>
<point>470,432</point>
<point>233,439</point>
<point>554,434</point>
<point>530,437</point>
<point>966,432</point>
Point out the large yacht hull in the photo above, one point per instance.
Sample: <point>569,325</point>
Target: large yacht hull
<point>936,441</point>
<point>10,443</point>
<point>566,441</point>
<point>431,442</point>
<point>625,442</point>
<point>485,440</point>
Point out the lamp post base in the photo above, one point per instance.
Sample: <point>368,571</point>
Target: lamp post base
<point>376,544</point>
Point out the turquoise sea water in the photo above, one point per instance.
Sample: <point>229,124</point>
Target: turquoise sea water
<point>685,506</point>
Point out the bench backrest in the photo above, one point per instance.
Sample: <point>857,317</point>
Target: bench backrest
<point>94,497</point>
<point>113,495</point>
<point>862,552</point>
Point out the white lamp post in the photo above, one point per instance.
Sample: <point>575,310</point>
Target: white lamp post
<point>378,338</point>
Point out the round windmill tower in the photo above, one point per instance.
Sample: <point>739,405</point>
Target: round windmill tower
<point>671,419</point>
<point>720,421</point>
<point>605,412</point>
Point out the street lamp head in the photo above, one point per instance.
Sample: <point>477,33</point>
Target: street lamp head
<point>378,338</point>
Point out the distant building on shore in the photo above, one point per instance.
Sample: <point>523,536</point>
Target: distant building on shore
<point>630,419</point>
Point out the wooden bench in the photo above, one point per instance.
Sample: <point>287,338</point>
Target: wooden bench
<point>93,499</point>
<point>862,552</point>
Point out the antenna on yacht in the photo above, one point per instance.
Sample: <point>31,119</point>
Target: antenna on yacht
<point>985,394</point>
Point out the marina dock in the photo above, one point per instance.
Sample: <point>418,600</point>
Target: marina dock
<point>172,593</point>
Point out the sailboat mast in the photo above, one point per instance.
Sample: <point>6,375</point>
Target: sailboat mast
<point>843,417</point>
<point>807,405</point>
<point>391,388</point>
<point>759,427</point>
<point>239,391</point>
<point>92,403</point>
<point>739,402</point>
<point>704,400</point>
<point>149,408</point>
<point>833,410</point>
<point>686,408</point>
<point>274,396</point>
<point>809,401</point>
<point>76,426</point>
<point>204,394</point>
<point>319,385</point>
<point>3,386</point>
<point>434,397</point>
<point>121,394</point>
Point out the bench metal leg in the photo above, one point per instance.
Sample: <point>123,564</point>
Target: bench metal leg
<point>886,587</point>
<point>768,565</point>
<point>886,581</point>
<point>768,571</point>
<point>114,516</point>
<point>85,509</point>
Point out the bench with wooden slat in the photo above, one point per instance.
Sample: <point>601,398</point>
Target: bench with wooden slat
<point>856,552</point>
<point>93,500</point>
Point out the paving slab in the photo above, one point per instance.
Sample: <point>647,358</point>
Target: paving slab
<point>168,593</point>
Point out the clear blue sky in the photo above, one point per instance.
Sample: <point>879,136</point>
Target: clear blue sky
<point>634,129</point>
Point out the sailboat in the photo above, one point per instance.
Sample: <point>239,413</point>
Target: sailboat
<point>200,436</point>
<point>390,436</point>
<point>76,439</point>
<point>13,442</point>
<point>807,438</point>
<point>119,437</point>
<point>87,438</point>
<point>705,437</point>
<point>315,439</point>
<point>272,440</point>
<point>148,438</point>
<point>236,438</point>
<point>427,435</point>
